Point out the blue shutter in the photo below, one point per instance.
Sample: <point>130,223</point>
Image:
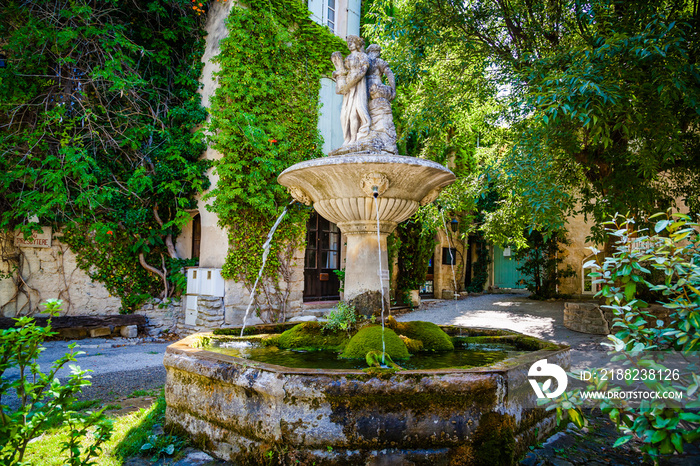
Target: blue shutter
<point>316,10</point>
<point>329,116</point>
<point>354,9</point>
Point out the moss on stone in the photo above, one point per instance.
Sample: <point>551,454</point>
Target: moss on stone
<point>310,336</point>
<point>432,336</point>
<point>370,339</point>
<point>414,346</point>
<point>494,440</point>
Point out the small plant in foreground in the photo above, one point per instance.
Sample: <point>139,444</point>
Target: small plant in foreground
<point>643,342</point>
<point>342,317</point>
<point>161,445</point>
<point>43,400</point>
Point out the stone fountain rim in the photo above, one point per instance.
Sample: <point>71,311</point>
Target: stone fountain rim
<point>184,347</point>
<point>365,159</point>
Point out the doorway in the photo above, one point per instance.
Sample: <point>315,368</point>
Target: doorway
<point>321,259</point>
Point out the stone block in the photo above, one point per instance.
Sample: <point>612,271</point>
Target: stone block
<point>129,331</point>
<point>73,333</point>
<point>100,332</point>
<point>448,294</point>
<point>303,319</point>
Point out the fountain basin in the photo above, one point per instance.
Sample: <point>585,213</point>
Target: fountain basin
<point>341,190</point>
<point>241,410</point>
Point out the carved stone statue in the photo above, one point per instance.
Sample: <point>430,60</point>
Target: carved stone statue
<point>382,129</point>
<point>368,126</point>
<point>351,83</point>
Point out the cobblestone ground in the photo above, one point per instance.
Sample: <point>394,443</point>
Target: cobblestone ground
<point>592,445</point>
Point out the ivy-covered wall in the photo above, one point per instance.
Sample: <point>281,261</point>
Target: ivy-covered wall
<point>98,103</point>
<point>263,97</point>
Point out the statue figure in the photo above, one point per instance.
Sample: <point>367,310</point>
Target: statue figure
<point>367,123</point>
<point>350,82</point>
<point>383,131</point>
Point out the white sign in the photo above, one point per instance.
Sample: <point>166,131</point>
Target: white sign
<point>552,371</point>
<point>37,240</point>
<point>384,275</point>
<point>506,252</point>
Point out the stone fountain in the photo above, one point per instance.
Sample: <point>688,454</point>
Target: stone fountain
<point>251,412</point>
<point>346,187</point>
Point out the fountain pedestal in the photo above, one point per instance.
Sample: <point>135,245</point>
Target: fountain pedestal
<point>362,265</point>
<point>342,190</point>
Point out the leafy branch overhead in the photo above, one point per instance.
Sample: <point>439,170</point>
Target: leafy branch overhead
<point>584,106</point>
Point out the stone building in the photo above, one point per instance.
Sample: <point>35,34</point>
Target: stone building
<point>50,269</point>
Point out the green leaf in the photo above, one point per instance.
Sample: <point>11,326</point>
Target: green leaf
<point>622,440</point>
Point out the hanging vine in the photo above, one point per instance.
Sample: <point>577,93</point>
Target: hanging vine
<point>98,101</point>
<point>264,118</point>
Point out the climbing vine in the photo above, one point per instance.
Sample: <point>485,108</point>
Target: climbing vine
<point>98,102</point>
<point>264,118</point>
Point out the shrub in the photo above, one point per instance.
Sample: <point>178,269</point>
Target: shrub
<point>370,339</point>
<point>540,262</point>
<point>44,402</point>
<point>641,339</point>
<point>341,317</point>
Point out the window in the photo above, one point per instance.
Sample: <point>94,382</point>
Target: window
<point>449,256</point>
<point>196,236</point>
<point>331,15</point>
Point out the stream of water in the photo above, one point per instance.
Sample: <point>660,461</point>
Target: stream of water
<point>266,252</point>
<point>381,282</point>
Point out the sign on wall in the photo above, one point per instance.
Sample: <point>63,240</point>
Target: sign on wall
<point>37,240</point>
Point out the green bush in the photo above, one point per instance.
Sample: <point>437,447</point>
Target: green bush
<point>44,401</point>
<point>370,339</point>
<point>310,336</point>
<point>341,317</point>
<point>664,426</point>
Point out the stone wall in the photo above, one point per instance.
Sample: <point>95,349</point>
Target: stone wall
<point>162,316</point>
<point>587,318</point>
<point>50,273</point>
<point>594,319</point>
<point>443,278</point>
<point>237,296</point>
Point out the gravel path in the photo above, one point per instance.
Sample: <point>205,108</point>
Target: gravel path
<point>119,366</point>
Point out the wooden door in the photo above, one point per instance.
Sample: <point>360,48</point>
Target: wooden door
<point>505,273</point>
<point>321,259</point>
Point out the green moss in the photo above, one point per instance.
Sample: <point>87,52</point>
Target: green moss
<point>370,339</point>
<point>432,336</point>
<point>414,346</point>
<point>494,440</point>
<point>309,336</point>
<point>379,359</point>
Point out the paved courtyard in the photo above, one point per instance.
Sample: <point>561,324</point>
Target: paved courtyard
<point>514,311</point>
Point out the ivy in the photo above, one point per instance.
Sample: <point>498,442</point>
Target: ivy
<point>264,118</point>
<point>98,103</point>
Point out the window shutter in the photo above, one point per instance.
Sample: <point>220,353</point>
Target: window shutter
<point>316,10</point>
<point>354,9</point>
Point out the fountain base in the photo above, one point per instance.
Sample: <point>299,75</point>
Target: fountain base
<point>243,410</point>
<point>369,303</point>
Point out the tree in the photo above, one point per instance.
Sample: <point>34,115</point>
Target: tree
<point>540,262</point>
<point>601,99</point>
<point>98,101</point>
